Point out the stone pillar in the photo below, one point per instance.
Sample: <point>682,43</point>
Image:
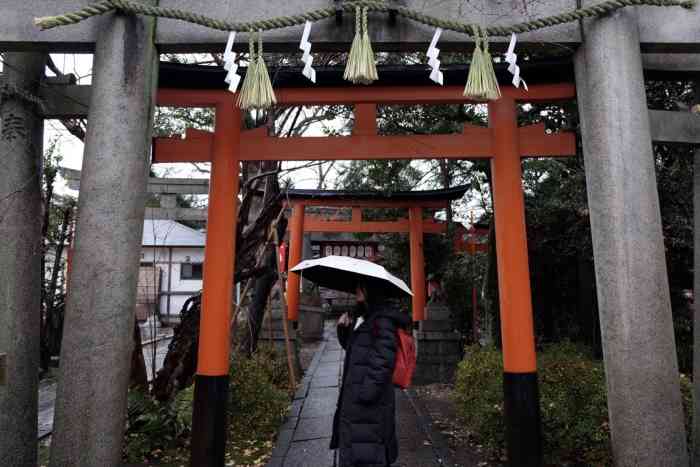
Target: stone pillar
<point>644,399</point>
<point>21,137</point>
<point>312,317</point>
<point>97,340</point>
<point>438,346</point>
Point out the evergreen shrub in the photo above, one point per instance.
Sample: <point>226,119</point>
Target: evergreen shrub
<point>572,401</point>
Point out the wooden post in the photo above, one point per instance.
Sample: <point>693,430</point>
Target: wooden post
<point>209,421</point>
<point>415,219</point>
<point>296,237</point>
<point>521,395</point>
<point>285,324</point>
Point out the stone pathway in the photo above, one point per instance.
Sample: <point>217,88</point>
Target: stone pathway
<point>47,389</point>
<point>304,438</point>
<point>47,399</point>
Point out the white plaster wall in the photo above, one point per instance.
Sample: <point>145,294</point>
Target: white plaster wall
<point>179,256</point>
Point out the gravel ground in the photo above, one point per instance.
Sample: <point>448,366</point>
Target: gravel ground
<point>464,451</point>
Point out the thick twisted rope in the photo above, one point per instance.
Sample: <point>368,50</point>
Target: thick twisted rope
<point>128,6</point>
<point>10,91</point>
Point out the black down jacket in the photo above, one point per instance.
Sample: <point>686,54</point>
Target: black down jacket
<point>364,423</point>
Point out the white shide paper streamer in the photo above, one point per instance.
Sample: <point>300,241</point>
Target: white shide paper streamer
<point>432,53</point>
<point>513,68</point>
<point>230,65</point>
<point>307,58</point>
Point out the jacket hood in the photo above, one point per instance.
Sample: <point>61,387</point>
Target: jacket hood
<point>393,311</point>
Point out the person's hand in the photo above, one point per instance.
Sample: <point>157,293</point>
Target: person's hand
<point>344,320</point>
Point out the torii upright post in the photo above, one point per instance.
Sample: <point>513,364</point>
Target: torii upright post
<point>415,216</point>
<point>296,238</point>
<point>521,397</point>
<point>20,255</point>
<point>93,380</point>
<point>209,420</point>
<point>641,367</point>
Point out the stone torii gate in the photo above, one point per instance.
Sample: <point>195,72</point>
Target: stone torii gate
<point>641,367</point>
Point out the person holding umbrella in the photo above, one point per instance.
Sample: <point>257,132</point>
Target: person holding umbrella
<point>364,426</point>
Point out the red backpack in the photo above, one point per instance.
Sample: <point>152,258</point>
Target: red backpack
<point>405,358</point>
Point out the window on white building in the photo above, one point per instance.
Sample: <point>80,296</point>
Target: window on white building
<point>191,271</point>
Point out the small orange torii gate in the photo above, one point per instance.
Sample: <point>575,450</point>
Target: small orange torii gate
<point>415,226</point>
<point>503,142</point>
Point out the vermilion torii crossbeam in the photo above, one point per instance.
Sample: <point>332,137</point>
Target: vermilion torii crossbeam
<point>503,142</point>
<point>474,142</point>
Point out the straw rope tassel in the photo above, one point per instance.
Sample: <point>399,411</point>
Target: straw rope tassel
<point>244,96</point>
<point>473,87</point>
<point>351,71</point>
<point>267,94</point>
<point>482,83</point>
<point>360,67</point>
<point>492,91</point>
<point>256,92</point>
<point>368,52</point>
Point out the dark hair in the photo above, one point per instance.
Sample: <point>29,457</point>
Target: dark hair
<point>375,292</point>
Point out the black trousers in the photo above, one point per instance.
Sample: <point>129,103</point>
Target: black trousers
<point>346,462</point>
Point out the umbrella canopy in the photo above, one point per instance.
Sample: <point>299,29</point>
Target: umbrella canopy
<point>342,273</point>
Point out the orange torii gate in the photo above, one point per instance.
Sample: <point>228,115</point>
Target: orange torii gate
<point>503,142</point>
<point>415,226</point>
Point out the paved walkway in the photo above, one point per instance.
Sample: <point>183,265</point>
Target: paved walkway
<point>304,438</point>
<point>47,389</point>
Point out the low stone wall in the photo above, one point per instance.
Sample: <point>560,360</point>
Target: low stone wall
<point>438,347</point>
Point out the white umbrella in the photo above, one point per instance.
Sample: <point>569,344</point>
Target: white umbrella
<point>343,272</point>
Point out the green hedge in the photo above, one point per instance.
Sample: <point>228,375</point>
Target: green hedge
<point>572,400</point>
